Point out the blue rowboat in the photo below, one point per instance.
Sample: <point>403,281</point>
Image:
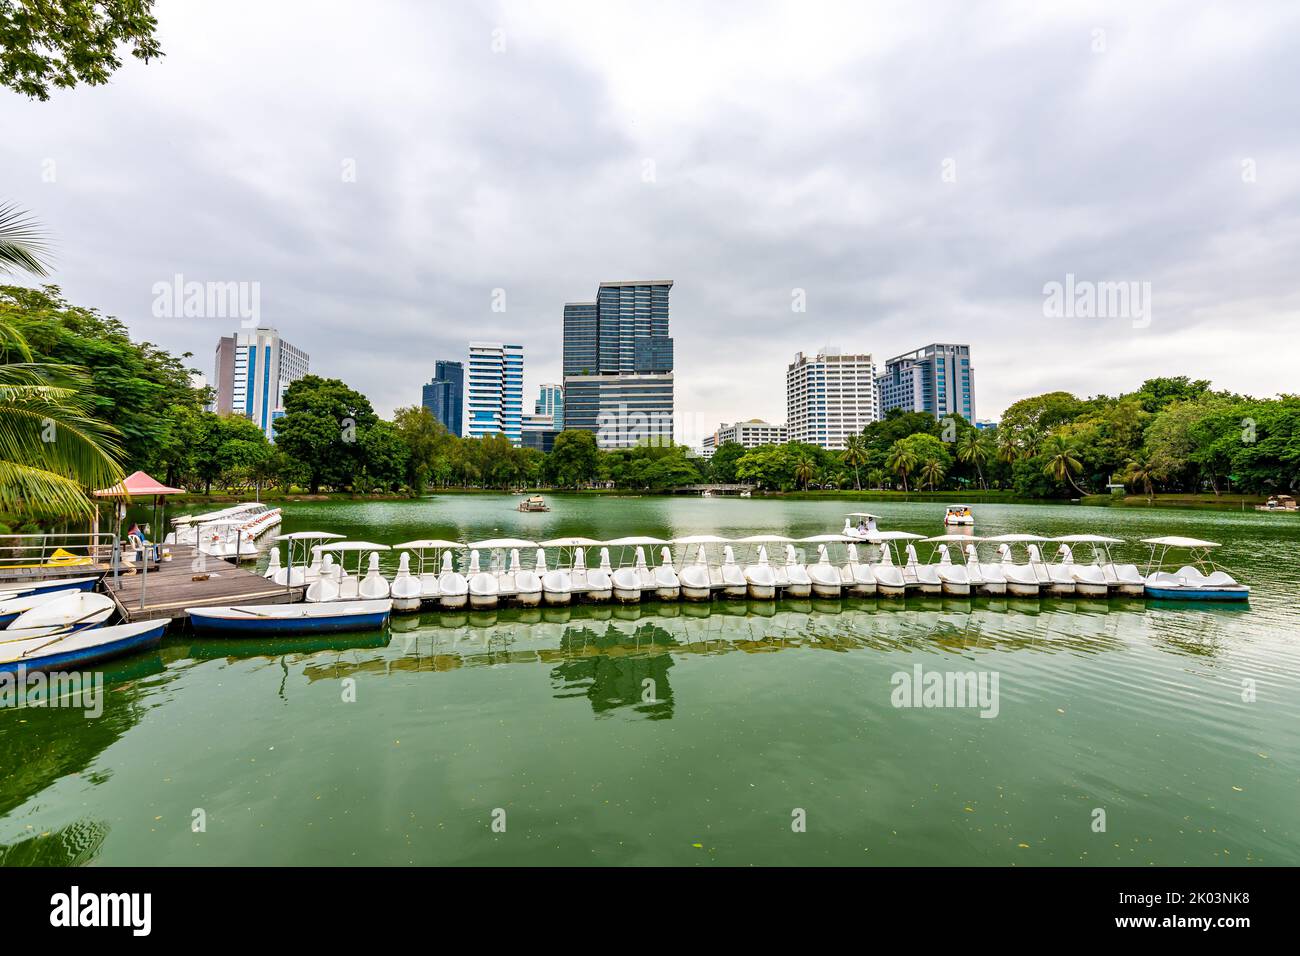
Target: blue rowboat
<point>321,617</point>
<point>66,650</point>
<point>49,585</point>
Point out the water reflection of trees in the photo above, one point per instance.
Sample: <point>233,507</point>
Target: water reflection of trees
<point>41,745</point>
<point>602,665</point>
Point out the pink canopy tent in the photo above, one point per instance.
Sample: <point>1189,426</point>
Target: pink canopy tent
<point>140,485</point>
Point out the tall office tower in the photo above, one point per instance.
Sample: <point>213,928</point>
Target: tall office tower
<point>444,397</point>
<point>618,364</point>
<point>496,390</point>
<point>253,371</point>
<point>936,378</point>
<point>828,397</point>
<point>580,339</point>
<point>550,401</point>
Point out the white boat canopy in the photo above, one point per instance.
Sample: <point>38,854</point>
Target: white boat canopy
<point>1087,539</point>
<point>953,539</point>
<point>862,514</point>
<point>893,536</point>
<point>634,540</point>
<point>491,544</point>
<point>700,539</point>
<point>569,543</point>
<point>427,543</point>
<point>761,538</point>
<point>819,538</point>
<point>309,536</point>
<point>355,546</point>
<point>1173,541</point>
<point>1017,538</point>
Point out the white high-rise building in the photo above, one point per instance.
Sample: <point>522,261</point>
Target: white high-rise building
<point>494,388</point>
<point>253,371</point>
<point>829,396</point>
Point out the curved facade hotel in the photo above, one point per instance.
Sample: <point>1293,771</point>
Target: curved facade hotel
<point>829,396</point>
<point>495,390</point>
<point>618,364</point>
<point>936,378</point>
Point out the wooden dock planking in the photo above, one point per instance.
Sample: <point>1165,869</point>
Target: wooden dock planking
<point>170,589</point>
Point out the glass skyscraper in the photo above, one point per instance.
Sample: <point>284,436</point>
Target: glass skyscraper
<point>550,401</point>
<point>618,364</point>
<point>936,378</point>
<point>496,390</point>
<point>444,397</point>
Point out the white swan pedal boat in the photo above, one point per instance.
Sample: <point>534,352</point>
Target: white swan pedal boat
<point>1200,580</point>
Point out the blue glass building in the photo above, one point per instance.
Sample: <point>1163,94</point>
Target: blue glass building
<point>618,364</point>
<point>937,378</point>
<point>444,397</point>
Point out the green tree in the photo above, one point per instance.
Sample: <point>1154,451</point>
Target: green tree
<point>133,386</point>
<point>932,472</point>
<point>855,456</point>
<point>61,43</point>
<point>324,428</point>
<point>974,448</point>
<point>903,460</point>
<point>574,458</point>
<point>722,466</point>
<point>805,469</point>
<point>1060,461</point>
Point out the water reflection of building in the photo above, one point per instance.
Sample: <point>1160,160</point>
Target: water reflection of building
<point>611,668</point>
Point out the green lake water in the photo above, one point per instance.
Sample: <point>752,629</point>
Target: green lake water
<point>758,715</point>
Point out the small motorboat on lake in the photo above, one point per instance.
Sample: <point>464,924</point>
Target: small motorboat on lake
<point>318,618</point>
<point>533,503</point>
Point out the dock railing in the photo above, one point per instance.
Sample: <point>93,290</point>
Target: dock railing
<point>37,556</point>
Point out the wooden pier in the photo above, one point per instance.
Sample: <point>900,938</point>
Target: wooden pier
<point>169,588</point>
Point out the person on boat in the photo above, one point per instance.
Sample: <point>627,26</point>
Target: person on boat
<point>862,526</point>
<point>871,524</point>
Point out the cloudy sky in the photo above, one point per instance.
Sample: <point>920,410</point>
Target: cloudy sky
<point>921,170</point>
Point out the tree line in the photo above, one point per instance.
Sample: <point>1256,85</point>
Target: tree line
<point>1172,434</point>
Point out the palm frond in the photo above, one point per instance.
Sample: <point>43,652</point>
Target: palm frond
<point>23,246</point>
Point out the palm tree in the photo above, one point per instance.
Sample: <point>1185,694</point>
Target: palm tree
<point>902,461</point>
<point>973,449</point>
<point>932,472</point>
<point>23,247</point>
<point>1061,463</point>
<point>1139,471</point>
<point>805,469</point>
<point>855,456</point>
<point>51,448</point>
<point>1008,447</point>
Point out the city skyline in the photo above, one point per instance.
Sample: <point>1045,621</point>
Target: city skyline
<point>895,230</point>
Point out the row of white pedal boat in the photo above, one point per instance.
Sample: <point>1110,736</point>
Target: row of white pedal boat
<point>229,533</point>
<point>495,571</point>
